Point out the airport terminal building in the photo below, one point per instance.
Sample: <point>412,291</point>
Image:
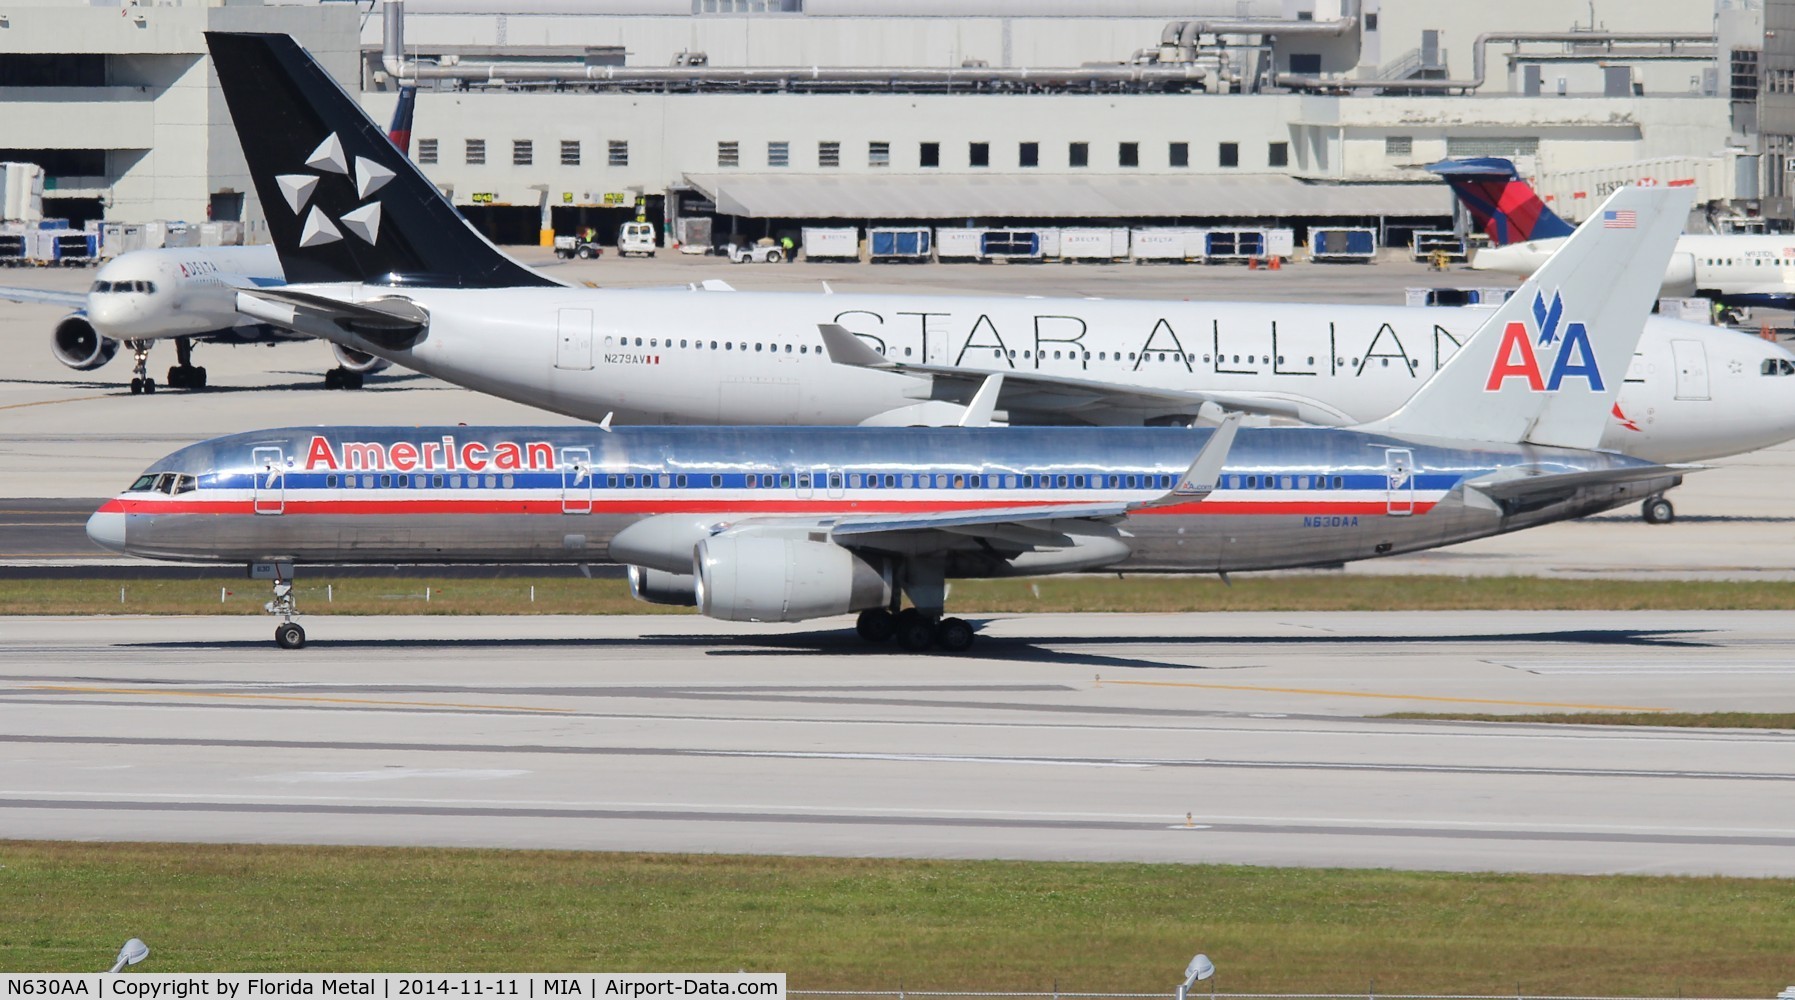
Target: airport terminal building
<point>763,113</point>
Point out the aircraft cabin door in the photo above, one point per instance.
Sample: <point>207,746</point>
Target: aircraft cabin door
<point>271,480</point>
<point>576,480</point>
<point>1399,463</point>
<point>573,346</point>
<point>1692,368</point>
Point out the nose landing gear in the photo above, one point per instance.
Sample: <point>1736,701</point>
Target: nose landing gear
<point>141,382</point>
<point>289,634</point>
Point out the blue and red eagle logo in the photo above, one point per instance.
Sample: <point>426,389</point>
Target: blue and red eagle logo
<point>1570,353</point>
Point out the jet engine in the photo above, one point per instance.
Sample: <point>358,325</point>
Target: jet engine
<point>359,363</point>
<point>770,578</point>
<point>654,586</point>
<point>77,344</point>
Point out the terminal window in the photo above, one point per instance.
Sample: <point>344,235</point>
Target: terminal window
<point>570,152</point>
<point>426,150</point>
<point>522,153</point>
<point>619,153</point>
<point>878,154</point>
<point>1228,154</point>
<point>1078,154</point>
<point>1399,145</point>
<point>1029,154</point>
<point>1178,154</point>
<point>1278,154</point>
<point>828,154</point>
<point>979,154</point>
<point>779,154</point>
<point>1128,154</point>
<point>929,155</point>
<point>729,154</point>
<point>476,152</point>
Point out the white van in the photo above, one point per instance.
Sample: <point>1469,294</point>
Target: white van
<point>635,237</point>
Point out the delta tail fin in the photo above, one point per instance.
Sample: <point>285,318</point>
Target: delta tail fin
<point>1546,366</point>
<point>400,130</point>
<point>342,203</point>
<point>1502,205</point>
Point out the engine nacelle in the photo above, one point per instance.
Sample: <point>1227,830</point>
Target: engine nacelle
<point>654,586</point>
<point>772,578</point>
<point>356,361</point>
<point>77,344</point>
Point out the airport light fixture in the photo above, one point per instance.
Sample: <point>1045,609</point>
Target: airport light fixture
<point>133,952</point>
<point>1200,967</point>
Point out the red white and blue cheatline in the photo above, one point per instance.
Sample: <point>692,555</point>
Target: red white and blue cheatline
<point>1624,218</point>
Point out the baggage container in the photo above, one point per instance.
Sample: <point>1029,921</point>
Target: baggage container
<point>1343,245</point>
<point>1426,242</point>
<point>1166,244</point>
<point>893,243</point>
<point>831,244</point>
<point>1106,244</point>
<point>1010,244</point>
<point>958,244</point>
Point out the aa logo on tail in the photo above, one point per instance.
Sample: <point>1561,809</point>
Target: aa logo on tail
<point>1568,351</point>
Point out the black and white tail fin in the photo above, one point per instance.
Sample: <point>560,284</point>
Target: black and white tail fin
<point>343,204</point>
<point>1545,368</point>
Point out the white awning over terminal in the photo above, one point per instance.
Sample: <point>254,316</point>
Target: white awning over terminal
<point>808,196</point>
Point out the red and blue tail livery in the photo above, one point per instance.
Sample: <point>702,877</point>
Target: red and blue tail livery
<point>1502,205</point>
<point>1572,356</point>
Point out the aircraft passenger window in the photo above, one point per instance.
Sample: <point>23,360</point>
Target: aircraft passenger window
<point>1288,483</point>
<point>803,348</point>
<point>854,481</point>
<point>1338,482</point>
<point>835,480</point>
<point>330,482</point>
<point>682,342</point>
<point>349,482</point>
<point>727,346</point>
<point>404,480</point>
<point>803,480</point>
<point>909,482</point>
<point>165,483</point>
<point>656,342</point>
<point>492,482</point>
<point>997,352</point>
<point>716,481</point>
<point>629,481</point>
<point>1013,353</point>
<point>959,482</point>
<point>680,481</point>
<point>785,481</point>
<point>638,341</point>
<point>757,347</point>
<point>1162,356</point>
<point>753,480</point>
<point>1129,482</point>
<point>510,480</point>
<point>744,346</point>
<point>891,482</point>
<point>906,352</point>
<point>1063,481</point>
<point>386,482</point>
<point>788,348</point>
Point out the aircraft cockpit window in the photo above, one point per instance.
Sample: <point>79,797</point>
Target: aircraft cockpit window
<point>101,286</point>
<point>144,483</point>
<point>165,483</point>
<point>186,484</point>
<point>1778,366</point>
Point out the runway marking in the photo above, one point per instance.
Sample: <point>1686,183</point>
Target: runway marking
<point>73,689</point>
<point>1393,697</point>
<point>1573,667</point>
<point>53,402</point>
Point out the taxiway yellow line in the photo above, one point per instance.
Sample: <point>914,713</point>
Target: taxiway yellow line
<point>52,402</point>
<point>1396,697</point>
<point>75,689</point>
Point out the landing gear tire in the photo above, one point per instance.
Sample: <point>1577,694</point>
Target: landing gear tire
<point>289,635</point>
<point>333,379</point>
<point>136,386</point>
<point>149,387</point>
<point>876,625</point>
<point>186,377</point>
<point>914,632</point>
<point>953,635</point>
<point>1658,510</point>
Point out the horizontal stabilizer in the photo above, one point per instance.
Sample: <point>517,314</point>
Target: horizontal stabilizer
<point>1520,483</point>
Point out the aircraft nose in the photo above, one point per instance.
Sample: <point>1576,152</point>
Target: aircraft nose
<point>107,529</point>
<point>112,315</point>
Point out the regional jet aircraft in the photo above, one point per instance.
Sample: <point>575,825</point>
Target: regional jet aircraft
<point>381,263</point>
<point>1736,270</point>
<point>770,524</point>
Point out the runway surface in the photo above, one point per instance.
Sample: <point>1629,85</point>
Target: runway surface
<point>1065,737</point>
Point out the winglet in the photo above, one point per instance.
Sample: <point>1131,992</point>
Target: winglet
<point>984,403</point>
<point>846,349</point>
<point>1546,366</point>
<point>1200,479</point>
<point>605,424</point>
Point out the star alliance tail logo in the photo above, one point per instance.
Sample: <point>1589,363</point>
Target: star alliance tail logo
<point>1573,356</point>
<point>318,228</point>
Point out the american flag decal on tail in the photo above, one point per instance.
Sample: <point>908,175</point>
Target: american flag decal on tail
<point>1625,218</point>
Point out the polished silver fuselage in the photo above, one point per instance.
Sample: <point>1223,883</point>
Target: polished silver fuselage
<point>1288,497</point>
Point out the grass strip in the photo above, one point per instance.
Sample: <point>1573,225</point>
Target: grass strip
<point>324,595</point>
<point>876,924</point>
<point>1690,720</point>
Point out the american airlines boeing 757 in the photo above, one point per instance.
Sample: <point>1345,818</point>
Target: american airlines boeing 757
<point>788,524</point>
<point>380,263</point>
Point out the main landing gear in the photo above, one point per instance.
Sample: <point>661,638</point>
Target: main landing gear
<point>1657,510</point>
<point>184,375</point>
<point>915,630</point>
<point>921,627</point>
<point>342,378</point>
<point>289,634</point>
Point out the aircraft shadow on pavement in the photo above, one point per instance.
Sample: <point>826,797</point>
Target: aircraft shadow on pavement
<point>1068,650</point>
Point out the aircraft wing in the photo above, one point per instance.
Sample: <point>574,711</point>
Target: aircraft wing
<point>392,321</point>
<point>45,296</point>
<point>1039,390</point>
<point>1044,525</point>
<point>1523,484</point>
